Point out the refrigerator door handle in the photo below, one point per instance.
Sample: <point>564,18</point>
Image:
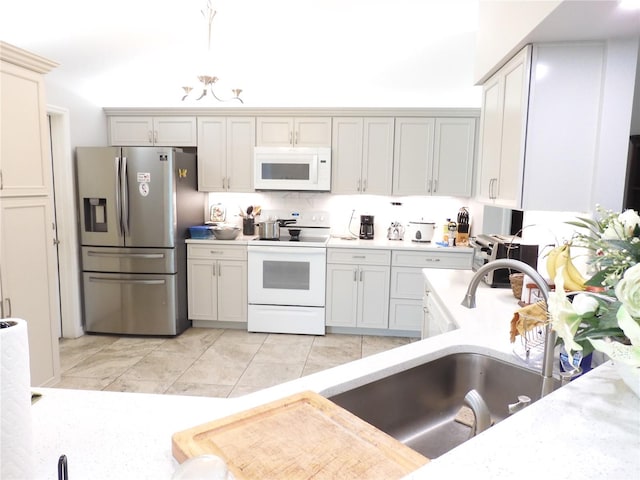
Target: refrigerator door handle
<point>125,196</point>
<point>118,202</point>
<point>93,253</point>
<point>121,281</point>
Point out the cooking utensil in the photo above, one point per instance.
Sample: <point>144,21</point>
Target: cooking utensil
<point>249,210</point>
<point>270,229</point>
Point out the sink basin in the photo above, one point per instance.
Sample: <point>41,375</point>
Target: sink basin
<point>418,406</point>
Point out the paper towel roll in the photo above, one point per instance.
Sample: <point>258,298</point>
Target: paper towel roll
<point>16,447</point>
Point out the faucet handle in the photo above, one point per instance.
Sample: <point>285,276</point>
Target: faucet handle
<point>522,402</point>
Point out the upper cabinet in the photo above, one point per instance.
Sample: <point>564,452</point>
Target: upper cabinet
<point>362,155</point>
<point>540,122</point>
<point>293,131</point>
<point>25,164</point>
<point>433,156</point>
<point>157,131</point>
<point>502,131</point>
<point>225,154</point>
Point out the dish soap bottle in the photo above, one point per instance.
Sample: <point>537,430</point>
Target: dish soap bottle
<point>445,231</point>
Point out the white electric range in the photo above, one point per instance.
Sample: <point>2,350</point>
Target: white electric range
<point>287,276</point>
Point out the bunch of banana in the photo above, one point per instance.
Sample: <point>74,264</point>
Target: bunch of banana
<point>559,259</point>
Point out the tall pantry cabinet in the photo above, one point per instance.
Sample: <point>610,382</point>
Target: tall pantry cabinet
<point>28,285</point>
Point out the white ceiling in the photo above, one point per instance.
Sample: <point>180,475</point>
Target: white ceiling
<point>280,52</point>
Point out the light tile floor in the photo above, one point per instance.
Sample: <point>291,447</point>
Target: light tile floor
<point>207,362</point>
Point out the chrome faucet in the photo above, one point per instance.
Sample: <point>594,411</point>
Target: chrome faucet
<point>550,335</point>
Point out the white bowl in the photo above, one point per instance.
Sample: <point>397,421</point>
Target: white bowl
<point>226,233</point>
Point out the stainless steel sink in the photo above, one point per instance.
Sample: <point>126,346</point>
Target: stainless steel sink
<point>418,406</point>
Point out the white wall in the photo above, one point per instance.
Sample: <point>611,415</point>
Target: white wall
<point>502,26</point>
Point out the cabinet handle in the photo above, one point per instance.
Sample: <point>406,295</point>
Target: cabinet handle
<point>360,275</point>
<point>2,309</point>
<point>435,185</point>
<point>432,259</point>
<point>213,269</point>
<point>155,136</point>
<point>428,185</point>
<point>364,183</point>
<point>216,252</point>
<point>358,185</point>
<point>1,181</point>
<point>228,183</point>
<point>355,274</point>
<point>291,137</point>
<point>219,270</point>
<point>358,256</point>
<point>223,183</point>
<point>149,136</point>
<point>8,300</point>
<point>295,140</point>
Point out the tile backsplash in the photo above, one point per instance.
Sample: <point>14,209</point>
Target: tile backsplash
<point>346,208</point>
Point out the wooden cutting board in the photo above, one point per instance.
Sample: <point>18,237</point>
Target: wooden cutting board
<point>299,437</point>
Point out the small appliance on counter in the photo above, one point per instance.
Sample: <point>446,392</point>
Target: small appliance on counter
<point>395,231</point>
<point>421,231</point>
<point>366,227</point>
<point>493,247</point>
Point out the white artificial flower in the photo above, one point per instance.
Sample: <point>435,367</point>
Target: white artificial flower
<point>585,304</point>
<point>629,219</point>
<point>564,320</point>
<point>628,290</point>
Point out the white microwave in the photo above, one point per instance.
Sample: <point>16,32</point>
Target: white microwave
<point>292,168</point>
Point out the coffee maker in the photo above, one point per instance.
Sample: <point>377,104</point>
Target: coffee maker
<point>366,227</point>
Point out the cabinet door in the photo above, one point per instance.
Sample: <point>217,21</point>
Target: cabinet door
<point>274,131</point>
<point>413,156</point>
<point>342,295</point>
<point>312,132</point>
<point>241,138</point>
<point>212,154</point>
<point>130,131</point>
<point>202,290</point>
<point>373,297</point>
<point>490,138</point>
<point>174,131</point>
<point>453,156</point>
<point>25,164</point>
<point>346,156</point>
<point>516,94</point>
<point>405,314</point>
<point>232,291</point>
<point>377,156</point>
<point>29,282</point>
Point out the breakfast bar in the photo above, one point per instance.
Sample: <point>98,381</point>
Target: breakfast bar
<point>588,429</point>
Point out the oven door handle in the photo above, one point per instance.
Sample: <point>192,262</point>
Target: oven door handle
<point>288,251</point>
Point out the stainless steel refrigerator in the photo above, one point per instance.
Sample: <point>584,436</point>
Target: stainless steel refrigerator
<point>135,207</point>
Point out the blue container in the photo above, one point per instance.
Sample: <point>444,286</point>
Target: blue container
<point>201,232</point>
<point>567,364</point>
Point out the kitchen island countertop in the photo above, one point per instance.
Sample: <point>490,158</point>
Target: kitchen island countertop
<point>588,429</point>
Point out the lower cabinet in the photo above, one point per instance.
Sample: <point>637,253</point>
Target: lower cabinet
<point>407,282</point>
<point>217,282</point>
<point>436,319</point>
<point>358,288</point>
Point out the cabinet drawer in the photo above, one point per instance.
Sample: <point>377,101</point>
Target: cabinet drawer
<point>360,256</point>
<point>460,260</point>
<point>228,252</point>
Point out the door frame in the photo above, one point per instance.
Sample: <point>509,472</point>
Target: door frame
<point>68,261</point>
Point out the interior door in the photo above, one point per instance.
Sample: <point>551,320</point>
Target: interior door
<point>148,207</point>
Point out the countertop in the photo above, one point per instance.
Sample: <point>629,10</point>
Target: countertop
<point>587,429</point>
<point>340,242</point>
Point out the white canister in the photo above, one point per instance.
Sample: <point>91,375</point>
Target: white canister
<point>421,231</point>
